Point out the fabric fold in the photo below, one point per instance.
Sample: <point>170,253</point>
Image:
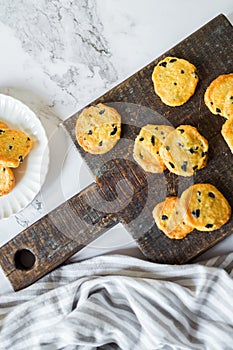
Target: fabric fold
<point>120,302</point>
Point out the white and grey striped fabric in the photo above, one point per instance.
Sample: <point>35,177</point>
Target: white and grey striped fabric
<point>119,302</point>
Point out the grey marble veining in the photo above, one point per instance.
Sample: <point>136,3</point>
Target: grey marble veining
<point>65,39</point>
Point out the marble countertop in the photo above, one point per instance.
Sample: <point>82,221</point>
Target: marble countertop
<point>59,55</point>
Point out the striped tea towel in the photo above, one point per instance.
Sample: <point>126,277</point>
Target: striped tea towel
<point>120,302</point>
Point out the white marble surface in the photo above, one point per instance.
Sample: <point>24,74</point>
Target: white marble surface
<point>56,56</point>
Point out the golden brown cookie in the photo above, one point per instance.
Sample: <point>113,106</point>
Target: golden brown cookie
<point>205,207</point>
<point>14,147</point>
<point>3,125</point>
<point>184,151</point>
<point>98,128</point>
<point>227,133</point>
<point>147,145</point>
<point>7,180</point>
<point>228,106</point>
<point>216,92</point>
<point>175,80</point>
<point>170,218</point>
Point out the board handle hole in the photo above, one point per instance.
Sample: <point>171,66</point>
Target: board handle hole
<point>24,259</point>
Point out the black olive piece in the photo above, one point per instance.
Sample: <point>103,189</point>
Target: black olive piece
<point>4,169</point>
<point>172,165</point>
<point>211,195</point>
<point>204,154</point>
<point>164,217</point>
<point>209,225</point>
<point>182,71</point>
<point>21,159</point>
<point>195,167</point>
<point>218,110</point>
<point>102,111</point>
<point>153,140</point>
<point>28,139</point>
<point>175,83</point>
<point>162,132</point>
<point>10,147</point>
<point>199,200</point>
<point>231,98</point>
<point>157,152</point>
<point>167,148</point>
<point>14,138</point>
<point>211,103</point>
<point>163,64</point>
<point>196,213</point>
<point>180,145</point>
<point>89,132</point>
<point>101,143</point>
<point>181,131</point>
<point>2,131</point>
<point>141,139</point>
<point>191,150</point>
<point>196,148</point>
<point>173,60</point>
<point>198,193</point>
<point>114,131</point>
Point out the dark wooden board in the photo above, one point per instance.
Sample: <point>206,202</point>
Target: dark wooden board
<point>123,192</point>
<point>210,49</point>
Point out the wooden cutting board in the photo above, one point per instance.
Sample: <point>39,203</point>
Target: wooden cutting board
<point>123,192</point>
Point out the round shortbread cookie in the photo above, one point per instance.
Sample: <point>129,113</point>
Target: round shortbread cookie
<point>7,180</point>
<point>147,145</point>
<point>216,93</point>
<point>98,128</point>
<point>228,106</point>
<point>175,80</point>
<point>227,133</point>
<point>185,151</point>
<point>14,147</point>
<point>170,218</point>
<point>205,207</point>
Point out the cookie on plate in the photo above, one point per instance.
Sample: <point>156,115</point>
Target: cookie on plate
<point>170,218</point>
<point>98,128</point>
<point>227,133</point>
<point>175,80</point>
<point>228,106</point>
<point>7,180</point>
<point>185,151</point>
<point>216,93</point>
<point>205,207</point>
<point>3,125</point>
<point>14,147</point>
<point>147,145</point>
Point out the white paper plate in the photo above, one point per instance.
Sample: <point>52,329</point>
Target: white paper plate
<point>30,175</point>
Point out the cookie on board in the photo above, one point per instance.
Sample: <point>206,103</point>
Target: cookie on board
<point>147,145</point>
<point>170,218</point>
<point>185,151</point>
<point>98,128</point>
<point>228,106</point>
<point>175,80</point>
<point>227,133</point>
<point>14,147</point>
<point>205,207</point>
<point>216,93</point>
<point>7,180</point>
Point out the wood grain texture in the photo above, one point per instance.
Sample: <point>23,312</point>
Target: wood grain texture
<point>210,49</point>
<point>56,237</point>
<point>123,192</point>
